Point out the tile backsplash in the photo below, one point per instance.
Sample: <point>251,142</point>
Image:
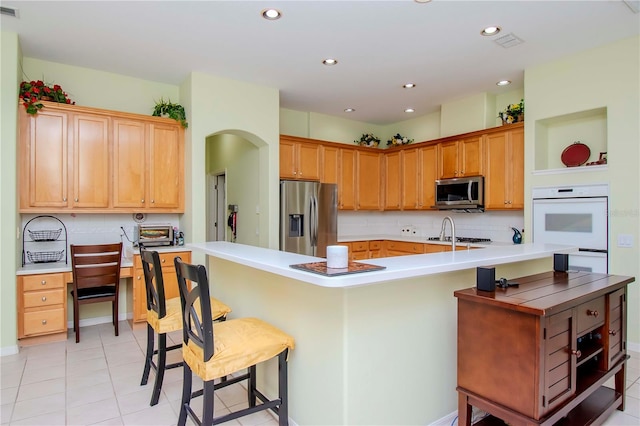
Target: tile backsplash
<point>94,228</point>
<point>495,225</point>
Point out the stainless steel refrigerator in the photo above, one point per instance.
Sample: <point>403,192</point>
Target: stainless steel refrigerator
<point>308,217</point>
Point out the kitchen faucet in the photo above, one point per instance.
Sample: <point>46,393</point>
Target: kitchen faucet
<point>453,232</point>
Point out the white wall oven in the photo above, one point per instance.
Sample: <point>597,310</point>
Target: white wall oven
<point>576,215</point>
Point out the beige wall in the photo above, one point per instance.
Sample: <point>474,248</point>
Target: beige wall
<point>606,77</point>
<point>9,249</point>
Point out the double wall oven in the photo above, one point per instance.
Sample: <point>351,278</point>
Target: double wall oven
<point>577,215</point>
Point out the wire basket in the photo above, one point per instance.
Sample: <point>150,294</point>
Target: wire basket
<point>45,256</point>
<point>45,234</point>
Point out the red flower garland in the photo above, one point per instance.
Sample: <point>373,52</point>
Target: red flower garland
<point>32,92</point>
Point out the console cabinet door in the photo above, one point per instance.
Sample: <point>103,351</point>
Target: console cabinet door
<point>560,360</point>
<point>615,337</point>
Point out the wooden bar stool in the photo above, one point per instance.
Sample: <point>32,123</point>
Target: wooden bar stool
<point>213,351</point>
<point>164,316</point>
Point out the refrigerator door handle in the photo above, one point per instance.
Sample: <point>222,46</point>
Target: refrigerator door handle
<point>314,221</point>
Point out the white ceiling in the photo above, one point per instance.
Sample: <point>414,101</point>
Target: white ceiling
<point>380,45</point>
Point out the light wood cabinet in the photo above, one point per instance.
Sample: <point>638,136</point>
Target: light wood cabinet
<point>168,275</point>
<point>90,160</point>
<point>330,162</point>
<point>401,248</point>
<point>549,365</point>
<point>369,168</point>
<point>347,180</point>
<point>504,178</point>
<point>42,304</point>
<point>299,159</point>
<point>461,158</point>
<point>428,172</point>
<point>376,249</point>
<point>359,250</point>
<point>64,161</point>
<point>393,185</point>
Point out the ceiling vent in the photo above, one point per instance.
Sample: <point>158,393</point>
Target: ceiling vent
<point>9,11</point>
<point>508,40</point>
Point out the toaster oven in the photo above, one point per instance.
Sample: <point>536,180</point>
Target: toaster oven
<point>153,235</point>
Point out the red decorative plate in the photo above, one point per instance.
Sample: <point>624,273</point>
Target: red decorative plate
<point>575,154</point>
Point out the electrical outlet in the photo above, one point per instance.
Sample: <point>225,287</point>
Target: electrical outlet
<point>625,240</point>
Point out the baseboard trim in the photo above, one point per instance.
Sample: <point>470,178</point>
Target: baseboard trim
<point>446,420</point>
<point>9,350</point>
<point>100,320</point>
<point>633,346</point>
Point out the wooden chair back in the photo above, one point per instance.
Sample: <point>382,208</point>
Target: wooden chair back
<point>197,328</point>
<point>96,265</point>
<point>154,282</point>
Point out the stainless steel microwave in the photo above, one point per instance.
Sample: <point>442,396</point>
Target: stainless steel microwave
<point>153,235</point>
<point>465,194</point>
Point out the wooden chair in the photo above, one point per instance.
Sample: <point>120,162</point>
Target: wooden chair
<point>212,351</point>
<point>96,278</point>
<point>163,316</point>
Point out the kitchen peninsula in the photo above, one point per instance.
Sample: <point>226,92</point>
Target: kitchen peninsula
<point>371,348</point>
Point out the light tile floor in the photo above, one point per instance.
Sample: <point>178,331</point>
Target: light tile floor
<point>97,382</point>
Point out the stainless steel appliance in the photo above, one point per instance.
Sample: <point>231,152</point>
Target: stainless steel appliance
<point>150,235</point>
<point>578,215</point>
<point>462,194</point>
<point>308,217</point>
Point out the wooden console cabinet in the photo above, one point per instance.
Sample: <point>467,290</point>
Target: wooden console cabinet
<point>539,354</point>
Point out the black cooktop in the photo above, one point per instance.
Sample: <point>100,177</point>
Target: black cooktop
<point>462,239</point>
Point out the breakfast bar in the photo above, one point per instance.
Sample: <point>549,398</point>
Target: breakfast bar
<point>375,347</point>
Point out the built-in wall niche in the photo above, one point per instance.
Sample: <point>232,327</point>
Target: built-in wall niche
<point>554,134</point>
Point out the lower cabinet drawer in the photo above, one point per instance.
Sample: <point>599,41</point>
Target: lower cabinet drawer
<point>34,299</point>
<point>44,321</point>
<point>590,314</point>
<point>42,282</point>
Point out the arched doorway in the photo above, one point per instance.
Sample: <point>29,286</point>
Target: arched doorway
<point>233,160</point>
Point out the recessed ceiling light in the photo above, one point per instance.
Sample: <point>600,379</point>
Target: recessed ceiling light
<point>503,82</point>
<point>409,85</point>
<point>409,110</point>
<point>422,1</point>
<point>330,61</point>
<point>349,110</point>
<point>489,31</point>
<point>271,14</point>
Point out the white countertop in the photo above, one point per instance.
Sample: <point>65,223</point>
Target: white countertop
<point>415,239</point>
<point>52,268</point>
<point>397,267</point>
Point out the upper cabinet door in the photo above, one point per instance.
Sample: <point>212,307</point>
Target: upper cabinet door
<point>166,168</point>
<point>43,159</point>
<point>369,182</point>
<point>448,153</point>
<point>470,156</point>
<point>299,160</point>
<point>90,161</point>
<point>393,180</point>
<point>330,163</point>
<point>428,167</point>
<point>347,180</point>
<point>410,179</point>
<point>129,163</point>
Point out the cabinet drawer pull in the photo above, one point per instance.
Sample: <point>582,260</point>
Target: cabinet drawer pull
<point>613,332</point>
<point>163,260</point>
<point>576,353</point>
<point>64,199</point>
<point>76,200</point>
<point>44,298</point>
<point>44,322</point>
<point>138,277</point>
<point>153,201</point>
<point>43,282</point>
<point>592,313</point>
<point>142,201</point>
